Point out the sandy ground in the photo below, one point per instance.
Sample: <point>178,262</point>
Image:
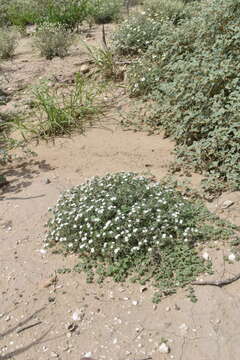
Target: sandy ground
<point>115,321</point>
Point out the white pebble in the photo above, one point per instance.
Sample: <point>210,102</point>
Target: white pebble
<point>231,257</point>
<point>205,255</point>
<point>164,349</point>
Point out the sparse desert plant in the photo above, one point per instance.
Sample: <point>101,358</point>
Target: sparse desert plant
<point>106,11</point>
<point>53,40</point>
<point>64,111</point>
<point>8,43</point>
<point>104,60</point>
<point>124,224</point>
<point>135,35</point>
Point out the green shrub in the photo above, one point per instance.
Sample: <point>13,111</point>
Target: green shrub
<point>124,224</point>
<point>4,21</point>
<point>68,13</point>
<point>61,111</point>
<point>53,40</point>
<point>22,12</point>
<point>8,43</point>
<point>194,78</point>
<point>135,35</point>
<point>174,10</point>
<point>106,11</point>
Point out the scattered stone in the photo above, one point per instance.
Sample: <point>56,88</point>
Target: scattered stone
<point>51,299</point>
<point>54,354</point>
<point>164,348</point>
<point>7,318</point>
<point>143,289</point>
<point>226,204</point>
<point>176,307</point>
<point>84,69</point>
<point>232,257</point>
<point>115,341</point>
<point>205,256</point>
<point>135,302</point>
<point>168,308</point>
<point>43,251</point>
<point>87,355</point>
<point>78,315</point>
<point>126,298</point>
<point>47,181</point>
<point>72,327</point>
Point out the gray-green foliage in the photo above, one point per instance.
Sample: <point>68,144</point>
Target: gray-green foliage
<point>124,224</point>
<point>53,40</point>
<point>135,35</point>
<point>194,78</point>
<point>8,43</point>
<point>173,10</point>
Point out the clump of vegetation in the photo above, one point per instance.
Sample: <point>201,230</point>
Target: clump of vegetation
<point>53,40</point>
<point>61,111</point>
<point>67,13</point>
<point>106,11</point>
<point>8,43</point>
<point>135,35</point>
<point>22,12</point>
<point>124,224</point>
<point>173,10</point>
<point>193,76</point>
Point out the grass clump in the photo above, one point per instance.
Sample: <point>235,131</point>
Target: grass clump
<point>53,40</point>
<point>135,35</point>
<point>193,77</point>
<point>61,111</point>
<point>123,224</point>
<point>8,43</point>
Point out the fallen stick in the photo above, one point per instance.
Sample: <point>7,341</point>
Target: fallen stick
<point>19,330</point>
<point>219,283</point>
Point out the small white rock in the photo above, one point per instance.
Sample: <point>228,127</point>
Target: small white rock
<point>78,315</point>
<point>135,302</point>
<point>115,341</point>
<point>205,255</point>
<point>226,204</point>
<point>231,257</point>
<point>164,349</point>
<point>43,251</point>
<point>88,354</point>
<point>168,308</point>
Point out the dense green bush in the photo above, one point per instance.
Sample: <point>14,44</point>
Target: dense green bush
<point>22,12</point>
<point>68,13</point>
<point>135,35</point>
<point>125,224</point>
<point>194,78</point>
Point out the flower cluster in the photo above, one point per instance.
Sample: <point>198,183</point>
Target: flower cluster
<point>135,35</point>
<point>119,215</point>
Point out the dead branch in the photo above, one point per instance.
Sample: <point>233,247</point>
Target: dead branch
<point>218,283</point>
